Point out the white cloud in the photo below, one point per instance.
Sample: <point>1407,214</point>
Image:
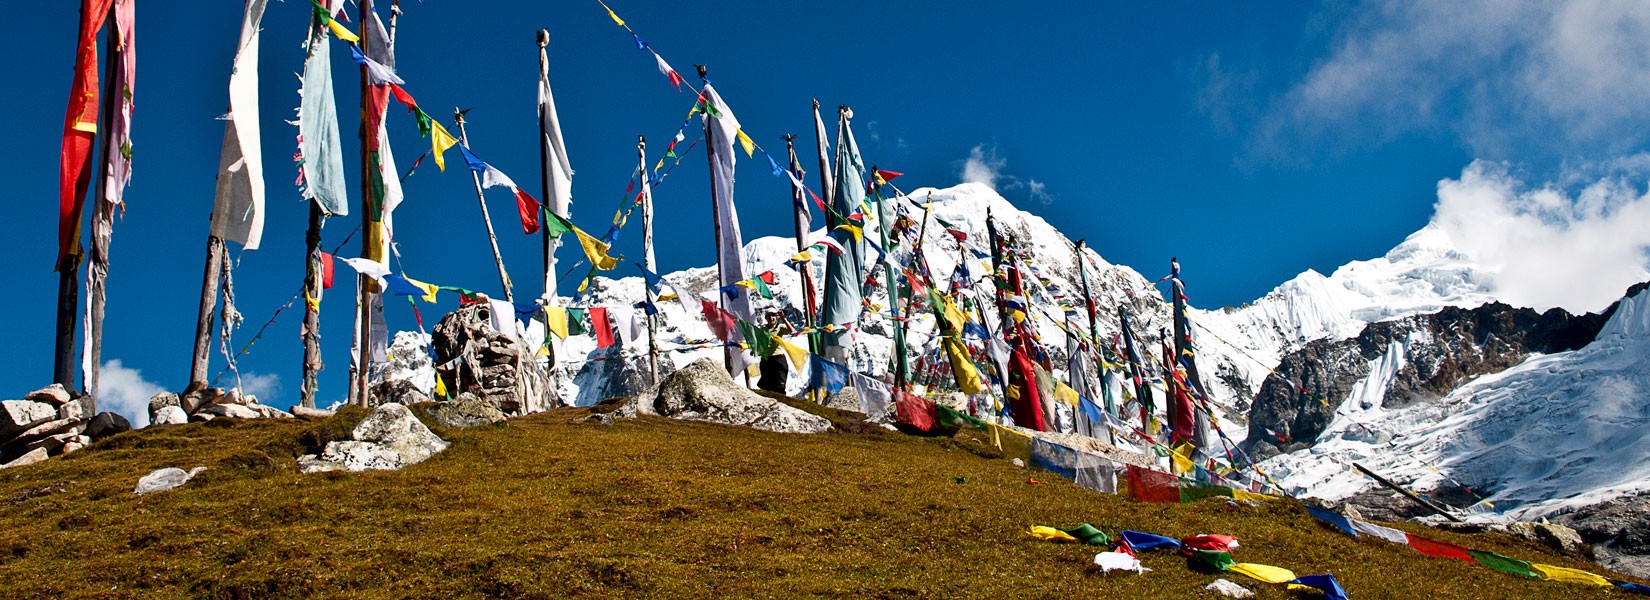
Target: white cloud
<point>1039,192</point>
<point>1560,77</point>
<point>983,166</point>
<point>125,391</point>
<point>1547,246</point>
<point>266,386</point>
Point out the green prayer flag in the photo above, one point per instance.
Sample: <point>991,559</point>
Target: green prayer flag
<point>424,121</point>
<point>1217,560</point>
<point>1193,493</point>
<point>1505,564</point>
<point>575,321</point>
<point>762,288</point>
<point>555,225</point>
<point>948,418</point>
<point>1089,534</point>
<point>761,342</point>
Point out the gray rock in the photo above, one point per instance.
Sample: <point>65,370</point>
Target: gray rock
<point>618,375</point>
<point>399,391</point>
<point>702,391</point>
<point>19,415</point>
<point>78,409</point>
<point>29,458</point>
<point>304,412</point>
<point>37,432</point>
<point>847,399</point>
<point>160,401</point>
<point>77,443</point>
<point>1619,531</point>
<point>106,424</point>
<point>389,438</point>
<point>161,480</point>
<point>466,411</point>
<point>169,415</point>
<point>193,400</point>
<point>53,444</point>
<point>1560,538</point>
<point>1228,589</point>
<point>228,410</point>
<point>53,394</point>
<point>270,412</point>
<point>496,367</point>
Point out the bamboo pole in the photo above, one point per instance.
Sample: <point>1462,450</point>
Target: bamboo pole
<point>310,332</point>
<point>1408,494</point>
<point>492,238</point>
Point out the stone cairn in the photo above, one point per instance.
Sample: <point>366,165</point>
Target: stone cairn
<point>52,421</point>
<point>199,403</point>
<point>499,369</point>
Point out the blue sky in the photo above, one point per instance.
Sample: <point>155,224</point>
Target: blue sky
<point>1251,140</point>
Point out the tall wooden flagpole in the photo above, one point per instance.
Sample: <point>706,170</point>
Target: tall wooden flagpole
<point>716,221</point>
<point>544,170</point>
<point>97,267</point>
<point>647,254</point>
<point>370,239</point>
<point>311,330</point>
<point>800,208</point>
<point>487,219</point>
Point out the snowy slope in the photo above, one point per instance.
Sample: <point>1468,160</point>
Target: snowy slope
<point>1558,431</point>
<point>1421,275</point>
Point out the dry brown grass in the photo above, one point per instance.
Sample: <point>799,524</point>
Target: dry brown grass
<point>546,508</point>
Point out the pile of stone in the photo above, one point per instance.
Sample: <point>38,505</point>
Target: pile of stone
<point>389,438</point>
<point>199,403</point>
<point>49,422</point>
<point>484,354</point>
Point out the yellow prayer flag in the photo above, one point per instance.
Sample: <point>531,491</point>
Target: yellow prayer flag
<point>858,232</point>
<point>1568,575</point>
<point>555,319</point>
<point>746,143</point>
<point>429,289</point>
<point>596,251</point>
<point>795,353</point>
<point>440,142</point>
<point>1050,534</point>
<point>1179,458</point>
<point>1064,393</point>
<point>746,283</point>
<point>968,379</point>
<point>615,16</point>
<point>802,256</point>
<point>1266,573</point>
<point>440,388</point>
<point>666,297</point>
<point>1238,494</point>
<point>342,32</point>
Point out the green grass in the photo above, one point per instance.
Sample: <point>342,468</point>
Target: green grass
<point>543,507</point>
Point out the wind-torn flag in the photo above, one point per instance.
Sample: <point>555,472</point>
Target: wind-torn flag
<point>594,249</point>
<point>377,73</point>
<point>669,73</point>
<point>526,204</point>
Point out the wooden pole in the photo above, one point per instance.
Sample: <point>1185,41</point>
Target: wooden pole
<point>310,332</point>
<point>885,221</point>
<point>800,210</point>
<point>1094,333</point>
<point>1408,494</point>
<point>68,304</point>
<point>370,240</point>
<point>492,238</point>
<point>205,319</point>
<point>647,254</point>
<point>916,255</point>
<point>97,268</point>
<point>544,171</point>
<point>716,222</point>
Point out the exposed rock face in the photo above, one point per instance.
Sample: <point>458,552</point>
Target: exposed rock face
<point>19,415</point>
<point>398,391</point>
<point>390,438</point>
<point>1437,353</point>
<point>466,411</point>
<point>28,458</point>
<point>702,391</point>
<point>473,357</point>
<point>618,375</point>
<point>1619,531</point>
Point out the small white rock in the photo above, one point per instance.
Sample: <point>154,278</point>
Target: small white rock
<point>1228,589</point>
<point>164,479</point>
<point>170,415</point>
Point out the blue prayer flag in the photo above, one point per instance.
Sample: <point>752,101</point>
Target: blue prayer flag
<point>1147,541</point>
<point>1340,522</point>
<point>1326,582</point>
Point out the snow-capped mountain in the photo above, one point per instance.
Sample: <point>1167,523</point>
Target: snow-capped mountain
<point>1555,432</point>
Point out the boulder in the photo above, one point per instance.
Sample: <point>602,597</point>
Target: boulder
<point>169,415</point>
<point>162,400</point>
<point>389,438</point>
<point>1560,538</point>
<point>53,444</point>
<point>236,411</point>
<point>53,394</point>
<point>466,411</point>
<point>399,391</point>
<point>193,399</point>
<point>77,443</point>
<point>29,458</point>
<point>702,391</point>
<point>19,415</point>
<point>78,409</point>
<point>39,431</point>
<point>305,412</point>
<point>161,480</point>
<point>270,412</point>
<point>106,424</point>
<point>1225,587</point>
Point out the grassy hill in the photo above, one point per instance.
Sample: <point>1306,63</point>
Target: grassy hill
<point>547,507</point>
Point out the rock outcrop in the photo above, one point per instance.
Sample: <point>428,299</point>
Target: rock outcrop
<point>388,439</point>
<point>1619,531</point>
<point>466,411</point>
<point>1428,355</point>
<point>500,369</point>
<point>49,422</point>
<point>702,391</point>
<point>200,403</point>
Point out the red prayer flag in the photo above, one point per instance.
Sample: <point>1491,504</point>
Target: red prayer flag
<point>675,78</point>
<point>913,410</point>
<point>961,236</point>
<point>1437,548</point>
<point>604,328</point>
<point>1147,485</point>
<point>79,127</point>
<point>768,277</point>
<point>403,97</point>
<point>326,271</point>
<point>378,99</point>
<point>1027,404</point>
<point>887,175</point>
<point>528,206</point>
<point>722,323</point>
<point>1212,543</point>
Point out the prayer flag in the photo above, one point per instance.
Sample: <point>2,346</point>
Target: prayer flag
<point>1147,485</point>
<point>326,271</point>
<point>1568,575</point>
<point>913,410</point>
<point>1396,536</point>
<point>746,143</point>
<point>526,205</point>
<point>831,376</point>
<point>370,268</point>
<point>674,77</point>
<point>604,329</point>
<point>1049,534</point>
<point>1333,518</point>
<point>1266,573</point>
<point>614,16</point>
<point>722,133</point>
<point>440,141</point>
<point>1438,549</point>
<point>1325,583</point>
<point>555,319</point>
<point>1506,564</point>
<point>1147,541</point>
<point>238,212</point>
<point>79,131</point>
<point>797,354</point>
<point>320,145</point>
<point>377,73</point>
<point>560,170</point>
<point>325,17</point>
